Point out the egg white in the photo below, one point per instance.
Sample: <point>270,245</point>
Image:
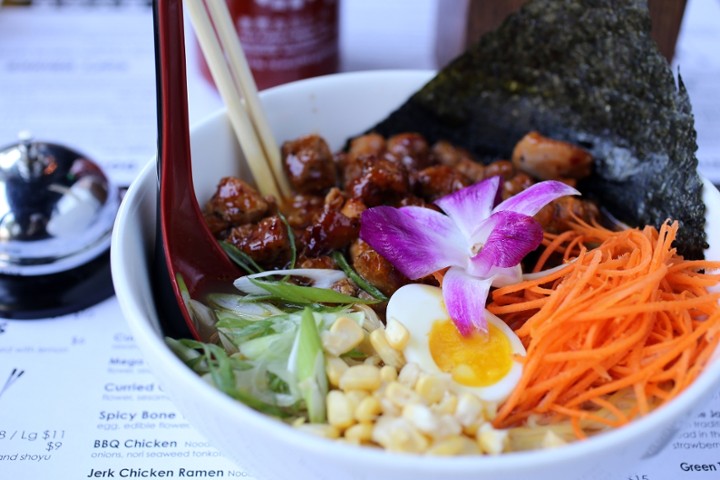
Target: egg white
<point>418,307</point>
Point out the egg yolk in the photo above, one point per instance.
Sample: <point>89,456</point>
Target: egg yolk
<point>475,361</point>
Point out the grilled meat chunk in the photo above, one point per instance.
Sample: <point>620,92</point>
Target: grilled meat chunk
<point>370,265</point>
<point>267,241</point>
<point>235,202</point>
<point>309,164</point>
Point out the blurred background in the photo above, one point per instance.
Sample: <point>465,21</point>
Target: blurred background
<point>81,72</point>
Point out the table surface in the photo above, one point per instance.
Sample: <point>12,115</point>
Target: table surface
<point>76,398</point>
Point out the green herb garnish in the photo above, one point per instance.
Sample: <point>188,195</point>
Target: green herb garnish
<point>242,259</point>
<point>355,277</point>
<point>303,295</point>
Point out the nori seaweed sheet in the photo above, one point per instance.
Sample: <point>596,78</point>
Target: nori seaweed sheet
<point>584,71</point>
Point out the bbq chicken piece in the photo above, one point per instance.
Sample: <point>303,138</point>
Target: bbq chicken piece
<point>267,241</point>
<point>460,159</point>
<point>332,230</point>
<point>309,164</point>
<point>410,149</point>
<point>502,168</point>
<point>235,202</point>
<point>368,144</point>
<point>516,184</point>
<point>370,265</point>
<point>353,208</point>
<point>546,159</point>
<point>380,181</point>
<point>556,215</point>
<point>344,286</point>
<point>439,180</point>
<point>350,163</point>
<point>303,209</point>
<point>324,262</point>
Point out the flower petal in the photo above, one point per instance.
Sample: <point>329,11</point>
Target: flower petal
<point>509,236</point>
<point>465,297</point>
<point>532,199</point>
<point>416,240</point>
<point>502,277</point>
<point>470,205</point>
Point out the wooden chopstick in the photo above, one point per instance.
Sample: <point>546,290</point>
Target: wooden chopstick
<point>239,66</point>
<point>219,43</point>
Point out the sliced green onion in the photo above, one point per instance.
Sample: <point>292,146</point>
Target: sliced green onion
<point>265,346</point>
<point>258,404</point>
<point>245,306</point>
<point>188,354</point>
<point>242,330</point>
<point>221,370</point>
<point>310,367</point>
<point>242,259</point>
<point>184,292</point>
<point>277,384</point>
<point>291,239</point>
<point>321,277</point>
<point>203,318</point>
<point>355,277</point>
<point>354,354</point>
<point>302,295</point>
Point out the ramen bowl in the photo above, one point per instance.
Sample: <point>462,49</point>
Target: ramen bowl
<point>337,107</point>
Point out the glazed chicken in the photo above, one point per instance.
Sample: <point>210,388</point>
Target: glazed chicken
<point>332,190</point>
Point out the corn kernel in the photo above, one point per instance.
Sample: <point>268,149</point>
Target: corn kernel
<point>430,387</point>
<point>421,417</point>
<point>334,368</point>
<point>449,446</point>
<point>409,374</point>
<point>397,334</point>
<point>490,410</point>
<point>399,435</point>
<point>472,429</point>
<point>388,374</point>
<point>388,407</point>
<point>368,409</point>
<point>552,440</point>
<point>320,429</point>
<point>491,440</point>
<point>339,410</point>
<point>448,404</point>
<point>359,433</point>
<point>373,360</point>
<point>469,409</point>
<point>360,377</point>
<point>401,395</point>
<point>355,397</point>
<point>365,346</point>
<point>389,355</point>
<point>344,335</point>
<point>447,426</point>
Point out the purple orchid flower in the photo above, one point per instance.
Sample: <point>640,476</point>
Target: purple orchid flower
<point>481,242</point>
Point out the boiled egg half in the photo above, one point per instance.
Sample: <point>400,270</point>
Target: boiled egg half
<point>486,365</point>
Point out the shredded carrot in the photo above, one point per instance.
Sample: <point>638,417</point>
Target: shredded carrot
<point>626,316</point>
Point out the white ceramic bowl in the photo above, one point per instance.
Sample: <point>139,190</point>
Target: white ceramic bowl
<point>339,106</point>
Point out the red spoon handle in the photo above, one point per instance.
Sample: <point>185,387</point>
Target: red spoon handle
<point>190,250</point>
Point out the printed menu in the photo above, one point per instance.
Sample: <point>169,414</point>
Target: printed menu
<point>77,399</point>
